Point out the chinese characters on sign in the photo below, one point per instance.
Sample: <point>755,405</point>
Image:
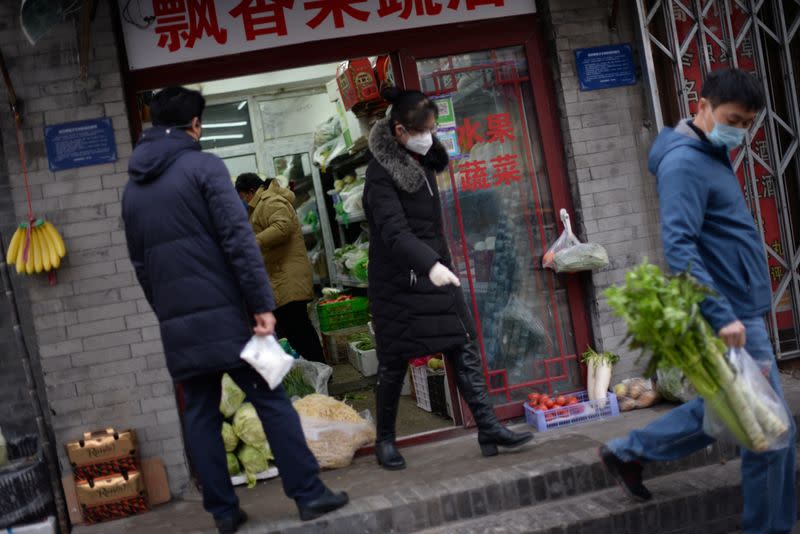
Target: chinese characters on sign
<point>475,174</point>
<point>184,30</point>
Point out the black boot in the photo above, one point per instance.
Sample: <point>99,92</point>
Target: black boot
<point>387,400</point>
<point>326,504</point>
<point>469,377</point>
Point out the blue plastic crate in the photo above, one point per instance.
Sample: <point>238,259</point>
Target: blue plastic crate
<point>583,412</point>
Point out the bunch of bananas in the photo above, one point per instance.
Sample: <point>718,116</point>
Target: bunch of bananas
<point>44,253</point>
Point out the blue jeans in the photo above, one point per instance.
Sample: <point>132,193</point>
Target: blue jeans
<point>768,479</point>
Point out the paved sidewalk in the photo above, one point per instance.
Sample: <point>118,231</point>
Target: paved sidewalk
<point>428,464</point>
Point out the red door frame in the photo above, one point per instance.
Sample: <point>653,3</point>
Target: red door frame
<point>433,42</point>
<point>541,80</point>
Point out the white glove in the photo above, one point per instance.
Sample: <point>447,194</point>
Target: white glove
<point>442,276</point>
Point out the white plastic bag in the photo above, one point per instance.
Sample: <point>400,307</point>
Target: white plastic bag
<point>334,443</point>
<point>266,356</point>
<point>315,373</point>
<point>569,255</point>
<point>761,413</point>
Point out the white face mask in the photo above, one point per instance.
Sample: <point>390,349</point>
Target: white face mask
<point>420,143</point>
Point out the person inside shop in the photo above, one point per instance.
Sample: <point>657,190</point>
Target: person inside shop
<point>197,261</point>
<point>417,306</point>
<point>708,230</point>
<point>280,238</point>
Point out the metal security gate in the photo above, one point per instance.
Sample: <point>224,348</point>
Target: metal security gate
<point>685,39</point>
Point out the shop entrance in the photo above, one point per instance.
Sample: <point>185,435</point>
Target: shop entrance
<point>506,180</point>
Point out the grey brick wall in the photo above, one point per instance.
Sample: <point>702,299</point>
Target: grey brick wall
<point>100,354</point>
<point>607,136</point>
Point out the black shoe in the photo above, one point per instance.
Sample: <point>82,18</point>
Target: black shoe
<point>229,525</point>
<point>627,474</point>
<point>501,437</point>
<point>324,505</point>
<point>388,456</point>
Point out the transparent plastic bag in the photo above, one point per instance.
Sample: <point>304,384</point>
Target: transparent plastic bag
<point>673,385</point>
<point>569,255</point>
<point>334,443</point>
<point>749,413</point>
<point>315,373</point>
<point>266,356</point>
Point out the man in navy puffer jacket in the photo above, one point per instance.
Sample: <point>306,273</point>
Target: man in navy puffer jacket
<point>707,229</point>
<point>196,258</point>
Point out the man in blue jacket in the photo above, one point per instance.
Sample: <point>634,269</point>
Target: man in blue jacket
<point>708,229</point>
<point>196,258</point>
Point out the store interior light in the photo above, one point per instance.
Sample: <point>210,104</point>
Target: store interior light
<point>224,124</point>
<point>221,137</point>
<point>242,105</point>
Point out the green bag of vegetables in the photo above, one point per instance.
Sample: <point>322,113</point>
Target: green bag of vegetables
<point>248,426</point>
<point>232,396</point>
<point>233,464</point>
<point>229,437</point>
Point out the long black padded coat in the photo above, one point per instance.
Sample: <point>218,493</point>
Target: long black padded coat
<point>410,315</point>
<point>194,252</point>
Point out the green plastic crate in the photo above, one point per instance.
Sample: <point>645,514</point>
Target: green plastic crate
<point>345,314</point>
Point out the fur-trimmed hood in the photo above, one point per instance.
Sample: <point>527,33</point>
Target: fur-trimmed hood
<point>408,173</point>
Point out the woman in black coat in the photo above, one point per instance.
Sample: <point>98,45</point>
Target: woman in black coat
<point>416,304</point>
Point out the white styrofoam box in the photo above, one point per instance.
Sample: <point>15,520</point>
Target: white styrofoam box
<point>366,361</point>
<point>240,480</point>
<point>48,526</point>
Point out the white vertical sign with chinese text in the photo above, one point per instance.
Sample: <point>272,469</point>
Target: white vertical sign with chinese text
<point>163,32</point>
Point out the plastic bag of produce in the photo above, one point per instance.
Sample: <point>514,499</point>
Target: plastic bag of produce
<point>316,374</point>
<point>747,411</point>
<point>266,356</point>
<point>229,437</point>
<point>569,255</point>
<point>636,393</point>
<point>333,430</point>
<point>295,384</point>
<point>247,425</point>
<point>254,460</point>
<point>232,396</point>
<point>672,384</point>
<point>233,464</point>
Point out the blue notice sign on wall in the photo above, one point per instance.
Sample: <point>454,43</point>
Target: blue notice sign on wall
<point>602,67</point>
<point>78,144</point>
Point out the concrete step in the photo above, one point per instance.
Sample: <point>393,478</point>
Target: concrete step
<point>705,500</point>
<point>538,485</point>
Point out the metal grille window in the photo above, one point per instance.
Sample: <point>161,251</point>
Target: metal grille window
<point>684,40</point>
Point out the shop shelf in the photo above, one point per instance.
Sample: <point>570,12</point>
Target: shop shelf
<point>348,281</point>
<point>352,218</point>
<point>585,411</point>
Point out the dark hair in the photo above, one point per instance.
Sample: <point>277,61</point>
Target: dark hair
<point>176,106</point>
<point>411,109</point>
<point>736,86</point>
<point>248,182</point>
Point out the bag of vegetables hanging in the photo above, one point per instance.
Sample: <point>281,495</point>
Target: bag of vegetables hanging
<point>663,317</point>
<point>758,408</point>
<point>569,255</point>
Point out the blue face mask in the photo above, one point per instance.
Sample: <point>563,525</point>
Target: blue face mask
<point>728,136</point>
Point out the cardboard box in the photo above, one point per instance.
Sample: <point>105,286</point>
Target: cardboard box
<point>156,486</point>
<point>103,453</point>
<point>112,497</point>
<point>356,81</point>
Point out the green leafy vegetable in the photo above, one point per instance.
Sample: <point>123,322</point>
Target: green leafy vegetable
<point>229,437</point>
<point>247,425</point>
<point>233,464</point>
<point>295,385</point>
<point>254,460</point>
<point>232,396</point>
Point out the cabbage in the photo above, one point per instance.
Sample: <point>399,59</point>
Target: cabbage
<point>232,396</point>
<point>247,425</point>
<point>233,464</point>
<point>254,460</point>
<point>229,437</point>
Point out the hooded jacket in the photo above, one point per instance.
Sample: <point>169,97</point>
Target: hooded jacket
<point>193,251</point>
<point>410,315</point>
<point>280,238</point>
<point>707,228</point>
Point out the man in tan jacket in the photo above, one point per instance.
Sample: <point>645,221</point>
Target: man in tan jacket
<point>280,239</point>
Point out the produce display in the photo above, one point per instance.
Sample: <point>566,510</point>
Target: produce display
<point>334,431</point>
<point>663,317</point>
<point>542,403</point>
<point>362,341</point>
<point>599,367</point>
<point>36,248</point>
<point>353,260</point>
<point>295,385</point>
<point>636,393</point>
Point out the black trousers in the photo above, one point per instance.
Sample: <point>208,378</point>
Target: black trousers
<point>294,325</point>
<point>202,420</point>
